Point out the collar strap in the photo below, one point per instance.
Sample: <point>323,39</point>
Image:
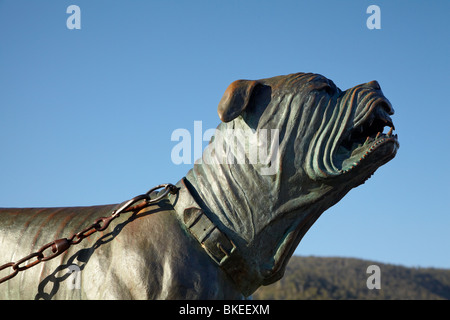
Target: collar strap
<point>216,243</point>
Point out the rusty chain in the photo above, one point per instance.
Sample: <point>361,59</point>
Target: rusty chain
<point>61,245</point>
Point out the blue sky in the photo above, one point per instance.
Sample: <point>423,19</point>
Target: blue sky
<point>86,116</point>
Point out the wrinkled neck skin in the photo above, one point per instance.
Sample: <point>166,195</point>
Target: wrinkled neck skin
<point>265,215</point>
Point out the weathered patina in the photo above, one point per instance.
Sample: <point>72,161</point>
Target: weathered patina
<point>233,225</point>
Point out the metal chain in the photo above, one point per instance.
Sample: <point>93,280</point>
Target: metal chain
<point>61,245</point>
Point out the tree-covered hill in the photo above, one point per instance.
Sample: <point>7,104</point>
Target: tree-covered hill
<point>346,278</point>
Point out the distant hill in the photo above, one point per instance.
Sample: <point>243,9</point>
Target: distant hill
<point>346,278</point>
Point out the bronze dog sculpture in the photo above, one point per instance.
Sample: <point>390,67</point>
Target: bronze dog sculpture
<point>233,225</point>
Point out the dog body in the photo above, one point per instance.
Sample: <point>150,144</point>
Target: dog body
<point>233,225</point>
<point>150,258</point>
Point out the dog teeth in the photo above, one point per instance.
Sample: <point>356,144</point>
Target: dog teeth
<point>390,132</point>
<point>378,140</point>
<point>367,141</point>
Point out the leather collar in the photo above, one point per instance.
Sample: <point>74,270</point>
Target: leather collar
<point>215,242</point>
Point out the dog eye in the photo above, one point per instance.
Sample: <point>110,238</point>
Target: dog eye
<point>322,86</point>
<point>327,88</point>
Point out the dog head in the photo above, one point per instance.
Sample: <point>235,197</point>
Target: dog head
<point>337,133</point>
<point>323,142</point>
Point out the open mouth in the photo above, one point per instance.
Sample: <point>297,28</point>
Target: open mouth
<point>367,137</point>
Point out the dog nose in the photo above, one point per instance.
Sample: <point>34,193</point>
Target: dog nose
<point>373,84</point>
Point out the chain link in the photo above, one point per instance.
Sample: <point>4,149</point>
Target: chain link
<point>61,245</point>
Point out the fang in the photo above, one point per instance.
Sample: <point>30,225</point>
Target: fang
<point>367,141</point>
<point>390,132</point>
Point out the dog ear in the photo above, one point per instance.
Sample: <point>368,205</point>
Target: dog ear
<point>235,99</point>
